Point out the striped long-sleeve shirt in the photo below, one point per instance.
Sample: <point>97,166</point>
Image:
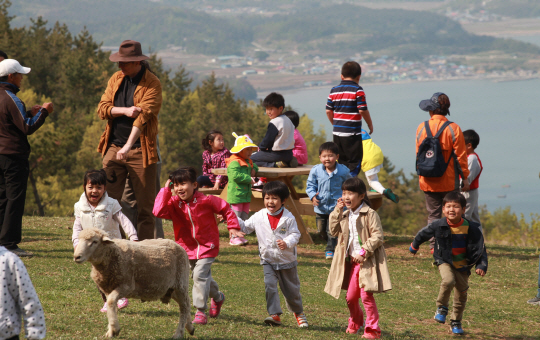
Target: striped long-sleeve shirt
<point>347,101</point>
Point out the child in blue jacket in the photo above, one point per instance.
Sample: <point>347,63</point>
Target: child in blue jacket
<point>324,188</point>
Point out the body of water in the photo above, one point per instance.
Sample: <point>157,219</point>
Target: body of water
<point>506,115</point>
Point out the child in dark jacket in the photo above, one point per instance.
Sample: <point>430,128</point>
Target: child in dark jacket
<point>459,245</point>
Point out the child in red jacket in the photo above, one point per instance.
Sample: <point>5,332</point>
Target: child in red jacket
<point>195,229</point>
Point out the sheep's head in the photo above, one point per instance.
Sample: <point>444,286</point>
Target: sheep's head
<point>89,241</point>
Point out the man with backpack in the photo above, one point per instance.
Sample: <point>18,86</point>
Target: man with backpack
<point>441,155</point>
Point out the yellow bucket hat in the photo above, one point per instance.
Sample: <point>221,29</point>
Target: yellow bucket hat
<point>241,143</point>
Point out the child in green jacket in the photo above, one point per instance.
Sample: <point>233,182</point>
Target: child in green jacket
<point>240,170</point>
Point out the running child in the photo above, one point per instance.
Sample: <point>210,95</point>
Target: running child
<point>196,230</point>
<point>372,163</point>
<point>324,188</point>
<point>95,209</point>
<point>278,235</point>
<point>300,147</point>
<point>472,139</point>
<point>360,254</point>
<point>241,171</point>
<point>459,245</point>
<point>214,156</point>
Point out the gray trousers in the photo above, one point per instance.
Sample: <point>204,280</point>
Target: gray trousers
<point>204,285</point>
<point>129,205</point>
<point>471,211</point>
<point>434,208</point>
<point>289,283</point>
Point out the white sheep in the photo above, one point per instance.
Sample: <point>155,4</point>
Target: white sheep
<point>147,270</point>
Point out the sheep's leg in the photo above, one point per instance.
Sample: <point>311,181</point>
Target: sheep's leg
<point>112,314</point>
<point>185,314</point>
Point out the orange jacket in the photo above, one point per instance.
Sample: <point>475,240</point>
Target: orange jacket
<point>147,96</point>
<point>451,138</point>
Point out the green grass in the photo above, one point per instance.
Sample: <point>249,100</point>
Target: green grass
<point>496,309</point>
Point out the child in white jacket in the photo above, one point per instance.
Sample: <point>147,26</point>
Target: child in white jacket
<point>95,209</point>
<point>278,236</point>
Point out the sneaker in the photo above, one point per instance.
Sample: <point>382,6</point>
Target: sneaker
<point>104,309</point>
<point>456,327</point>
<point>534,301</point>
<point>301,320</point>
<point>122,303</point>
<point>273,320</point>
<point>215,307</point>
<point>238,241</point>
<point>391,196</point>
<point>281,164</point>
<point>352,331</point>
<point>293,163</point>
<point>371,335</point>
<point>200,318</point>
<point>329,255</point>
<point>440,315</point>
<point>21,253</point>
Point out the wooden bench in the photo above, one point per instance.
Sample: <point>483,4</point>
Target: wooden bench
<point>210,191</point>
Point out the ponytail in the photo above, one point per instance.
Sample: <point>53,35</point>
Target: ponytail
<point>444,103</point>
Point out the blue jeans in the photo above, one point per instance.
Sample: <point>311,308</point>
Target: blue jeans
<point>322,224</point>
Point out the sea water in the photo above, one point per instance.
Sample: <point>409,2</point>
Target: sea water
<point>506,115</point>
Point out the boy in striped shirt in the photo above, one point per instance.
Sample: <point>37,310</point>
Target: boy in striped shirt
<point>459,245</point>
<point>345,108</point>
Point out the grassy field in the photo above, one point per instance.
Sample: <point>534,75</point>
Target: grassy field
<point>497,307</point>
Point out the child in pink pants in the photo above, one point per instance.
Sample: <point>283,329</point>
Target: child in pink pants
<point>359,264</point>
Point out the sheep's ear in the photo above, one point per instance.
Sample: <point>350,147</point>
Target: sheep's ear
<point>106,239</point>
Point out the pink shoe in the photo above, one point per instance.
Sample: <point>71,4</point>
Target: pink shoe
<point>215,307</point>
<point>238,241</point>
<point>371,335</point>
<point>122,303</point>
<point>200,318</point>
<point>104,309</point>
<point>351,331</point>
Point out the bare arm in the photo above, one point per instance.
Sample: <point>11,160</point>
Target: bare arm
<point>134,135</point>
<point>330,115</point>
<point>367,118</point>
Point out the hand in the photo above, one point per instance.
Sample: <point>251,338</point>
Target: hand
<point>253,172</point>
<point>340,204</point>
<point>35,109</point>
<point>122,154</point>
<point>132,112</point>
<point>412,250</point>
<point>216,186</point>
<point>480,272</point>
<point>281,244</point>
<point>48,107</point>
<point>168,184</point>
<point>370,129</point>
<point>466,185</point>
<point>357,258</point>
<point>315,201</point>
<point>236,233</point>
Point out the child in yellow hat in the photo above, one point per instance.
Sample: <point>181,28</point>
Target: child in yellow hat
<point>240,170</point>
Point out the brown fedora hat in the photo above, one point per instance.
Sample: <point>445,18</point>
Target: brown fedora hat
<point>130,50</point>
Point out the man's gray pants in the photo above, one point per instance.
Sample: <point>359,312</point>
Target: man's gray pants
<point>289,283</point>
<point>204,285</point>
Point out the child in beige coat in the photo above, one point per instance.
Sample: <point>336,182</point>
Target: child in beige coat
<point>359,263</point>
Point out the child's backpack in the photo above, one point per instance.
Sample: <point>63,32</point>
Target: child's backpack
<point>429,159</point>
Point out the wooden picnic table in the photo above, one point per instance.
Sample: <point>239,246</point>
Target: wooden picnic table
<point>298,203</point>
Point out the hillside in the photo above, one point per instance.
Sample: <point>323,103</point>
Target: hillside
<point>335,29</point>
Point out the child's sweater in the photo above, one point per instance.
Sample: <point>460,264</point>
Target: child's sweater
<point>300,148</point>
<point>279,135</point>
<point>107,216</point>
<point>194,222</point>
<point>286,230</point>
<point>239,173</point>
<point>214,161</point>
<point>19,300</point>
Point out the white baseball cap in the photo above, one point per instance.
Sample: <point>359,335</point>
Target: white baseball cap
<point>10,66</point>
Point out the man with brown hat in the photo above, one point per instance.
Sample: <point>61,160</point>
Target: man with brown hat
<point>131,105</point>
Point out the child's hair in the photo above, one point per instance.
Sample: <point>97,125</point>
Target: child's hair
<point>277,188</point>
<point>444,103</point>
<point>98,177</point>
<point>210,138</point>
<point>455,197</point>
<point>355,184</point>
<point>471,137</point>
<point>293,116</point>
<point>351,69</point>
<point>183,174</point>
<point>329,146</point>
<point>274,100</point>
